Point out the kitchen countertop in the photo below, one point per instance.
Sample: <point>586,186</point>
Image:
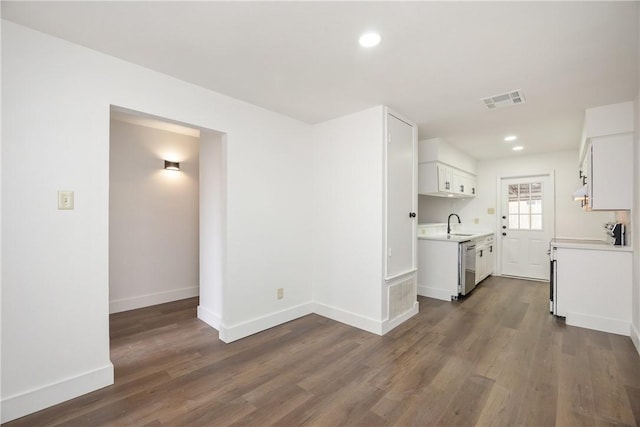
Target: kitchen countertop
<point>599,245</point>
<point>454,238</point>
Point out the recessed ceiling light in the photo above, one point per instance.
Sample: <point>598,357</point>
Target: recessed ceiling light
<point>510,138</point>
<point>369,39</point>
<point>518,148</point>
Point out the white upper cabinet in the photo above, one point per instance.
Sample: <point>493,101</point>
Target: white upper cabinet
<point>444,170</point>
<point>464,184</point>
<point>438,179</point>
<point>607,156</point>
<point>445,177</point>
<point>609,173</point>
<point>606,120</point>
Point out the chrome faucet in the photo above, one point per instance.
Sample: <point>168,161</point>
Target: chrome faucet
<point>449,222</point>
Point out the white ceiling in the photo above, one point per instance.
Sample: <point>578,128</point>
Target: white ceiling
<point>434,64</point>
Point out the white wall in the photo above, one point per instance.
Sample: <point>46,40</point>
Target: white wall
<point>1,227</point>
<point>213,238</point>
<point>56,99</point>
<point>153,217</point>
<point>437,149</point>
<point>571,220</point>
<point>635,230</point>
<point>348,218</point>
<point>437,209</point>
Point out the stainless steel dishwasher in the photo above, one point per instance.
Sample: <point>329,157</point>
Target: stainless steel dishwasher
<point>466,267</point>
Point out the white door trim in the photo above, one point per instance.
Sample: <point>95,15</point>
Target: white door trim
<point>552,181</point>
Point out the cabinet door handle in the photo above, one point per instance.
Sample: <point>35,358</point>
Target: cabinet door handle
<point>504,234</point>
<point>473,190</point>
<point>504,227</point>
<point>412,214</point>
<point>491,248</point>
<point>462,188</point>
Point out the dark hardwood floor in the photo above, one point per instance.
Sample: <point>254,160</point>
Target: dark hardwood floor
<point>495,358</point>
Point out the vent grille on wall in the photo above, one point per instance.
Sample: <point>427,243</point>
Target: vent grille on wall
<point>402,296</point>
<point>513,97</point>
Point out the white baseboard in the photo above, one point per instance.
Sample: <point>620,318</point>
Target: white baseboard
<point>437,293</point>
<point>209,317</point>
<point>348,318</point>
<point>126,304</point>
<point>389,325</point>
<point>34,400</point>
<point>635,337</point>
<point>259,324</point>
<point>604,324</point>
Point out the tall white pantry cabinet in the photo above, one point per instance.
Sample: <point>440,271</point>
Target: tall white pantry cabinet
<point>401,217</point>
<point>365,219</point>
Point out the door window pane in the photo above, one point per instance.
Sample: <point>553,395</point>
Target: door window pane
<point>536,222</point>
<point>524,202</point>
<point>536,206</point>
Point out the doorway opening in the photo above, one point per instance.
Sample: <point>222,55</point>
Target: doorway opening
<point>163,223</point>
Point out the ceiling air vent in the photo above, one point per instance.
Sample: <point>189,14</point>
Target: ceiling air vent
<point>514,97</point>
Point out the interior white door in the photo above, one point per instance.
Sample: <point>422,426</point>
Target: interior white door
<point>526,225</point>
<point>401,195</point>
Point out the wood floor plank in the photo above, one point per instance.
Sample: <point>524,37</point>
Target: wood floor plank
<point>610,396</point>
<point>493,358</point>
<point>494,411</point>
<point>575,392</point>
<point>633,394</point>
<point>540,401</point>
<point>466,406</point>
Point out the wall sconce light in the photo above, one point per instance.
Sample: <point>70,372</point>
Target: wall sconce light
<point>171,166</point>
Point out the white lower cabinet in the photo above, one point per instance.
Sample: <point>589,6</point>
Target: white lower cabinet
<point>438,269</point>
<point>594,288</point>
<point>484,258</point>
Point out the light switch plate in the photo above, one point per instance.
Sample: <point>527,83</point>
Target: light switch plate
<point>65,200</point>
<point>491,211</point>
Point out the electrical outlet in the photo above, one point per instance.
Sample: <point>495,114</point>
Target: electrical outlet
<point>476,220</point>
<point>65,200</point>
<point>280,293</point>
<point>491,211</point>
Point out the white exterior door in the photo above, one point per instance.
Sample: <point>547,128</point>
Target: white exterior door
<point>401,197</point>
<point>526,225</point>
